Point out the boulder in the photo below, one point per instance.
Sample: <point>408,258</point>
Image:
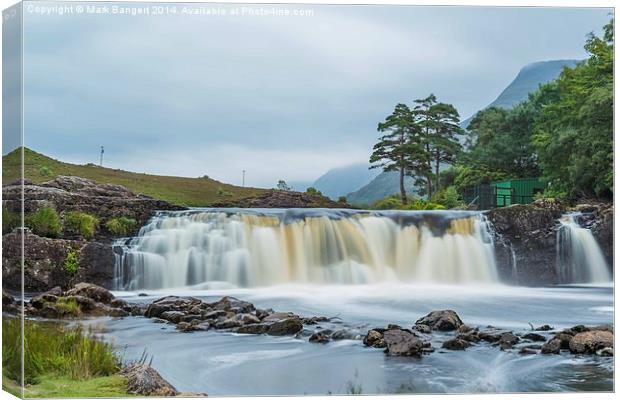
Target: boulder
<point>144,380</point>
<point>507,340</point>
<point>534,337</point>
<point>344,334</point>
<point>97,293</point>
<point>455,344</point>
<point>591,341</point>
<point>228,303</point>
<point>374,338</point>
<point>253,329</point>
<point>444,320</point>
<point>553,346</point>
<point>172,316</point>
<point>402,343</point>
<point>289,326</point>
<point>319,337</point>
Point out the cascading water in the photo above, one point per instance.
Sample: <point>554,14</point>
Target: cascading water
<point>579,257</point>
<point>250,247</point>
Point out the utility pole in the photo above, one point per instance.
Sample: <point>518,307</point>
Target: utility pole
<point>243,179</point>
<point>101,157</point>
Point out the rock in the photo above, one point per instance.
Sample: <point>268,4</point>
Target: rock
<point>444,320</point>
<point>344,334</point>
<point>534,337</point>
<point>253,329</point>
<point>228,324</point>
<point>465,329</point>
<point>422,328</point>
<point>313,320</point>
<point>281,199</point>
<point>507,340</point>
<point>590,342</point>
<point>455,344</point>
<point>564,339</point>
<point>374,338</point>
<point>170,303</point>
<point>7,299</point>
<point>172,316</point>
<point>553,346</point>
<point>490,337</point>
<point>289,326</point>
<point>146,381</point>
<point>544,328</point>
<point>228,303</point>
<point>471,337</point>
<point>214,314</point>
<point>528,350</point>
<point>605,352</point>
<point>247,319</point>
<point>319,337</point>
<point>402,343</point>
<point>92,291</point>
<point>279,316</point>
<point>97,263</point>
<point>191,327</point>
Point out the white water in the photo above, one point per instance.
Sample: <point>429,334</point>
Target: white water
<point>580,259</point>
<point>253,248</point>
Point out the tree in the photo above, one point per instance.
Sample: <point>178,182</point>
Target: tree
<point>283,186</point>
<point>423,113</point>
<point>400,147</point>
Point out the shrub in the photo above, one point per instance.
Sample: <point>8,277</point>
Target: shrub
<point>421,204</point>
<point>10,221</point>
<point>121,225</point>
<point>45,222</point>
<point>449,198</point>
<point>71,264</point>
<point>222,192</point>
<point>314,191</point>
<point>81,223</point>
<point>46,171</point>
<point>389,203</point>
<point>69,306</point>
<point>52,348</point>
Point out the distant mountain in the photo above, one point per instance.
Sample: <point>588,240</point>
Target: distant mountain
<point>340,181</point>
<point>527,81</point>
<point>385,184</point>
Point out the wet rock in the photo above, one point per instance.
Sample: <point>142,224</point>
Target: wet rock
<point>422,328</point>
<point>314,320</point>
<point>443,320</point>
<point>534,337</point>
<point>235,305</point>
<point>605,352</point>
<point>285,327</point>
<point>172,316</point>
<point>528,350</point>
<point>374,338</point>
<point>589,342</point>
<point>253,329</point>
<point>402,343</point>
<point>247,319</point>
<point>491,337</point>
<point>553,346</point>
<point>280,316</point>
<point>214,314</point>
<point>470,336</point>
<point>193,326</point>
<point>146,381</point>
<point>92,291</point>
<point>544,328</point>
<point>344,334</point>
<point>564,339</point>
<point>465,329</point>
<point>455,344</point>
<point>228,324</point>
<point>170,303</point>
<point>507,340</point>
<point>319,337</point>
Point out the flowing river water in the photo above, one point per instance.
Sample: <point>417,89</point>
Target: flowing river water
<point>369,270</point>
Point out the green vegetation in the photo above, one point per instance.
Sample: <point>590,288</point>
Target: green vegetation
<point>282,185</point>
<point>223,193</point>
<point>121,226</point>
<point>81,223</point>
<point>394,203</point>
<point>10,221</point>
<point>71,264</point>
<point>45,222</point>
<point>69,307</point>
<point>315,191</point>
<point>52,348</point>
<point>563,132</point>
<point>46,171</point>
<point>191,192</point>
<point>416,141</point>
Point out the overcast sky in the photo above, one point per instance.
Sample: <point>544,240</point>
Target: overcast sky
<point>281,97</point>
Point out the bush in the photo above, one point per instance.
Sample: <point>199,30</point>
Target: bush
<point>314,191</point>
<point>121,226</point>
<point>10,221</point>
<point>389,203</point>
<point>45,222</point>
<point>421,204</point>
<point>223,193</point>
<point>46,171</point>
<point>449,198</point>
<point>71,264</point>
<point>69,306</point>
<point>81,223</point>
<point>52,348</point>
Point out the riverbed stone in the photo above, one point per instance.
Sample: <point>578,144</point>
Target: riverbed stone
<point>534,337</point>
<point>319,337</point>
<point>172,316</point>
<point>590,342</point>
<point>289,326</point>
<point>233,304</point>
<point>507,340</point>
<point>455,344</point>
<point>374,338</point>
<point>402,343</point>
<point>442,320</point>
<point>253,329</point>
<point>553,346</point>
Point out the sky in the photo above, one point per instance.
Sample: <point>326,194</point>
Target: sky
<point>282,97</point>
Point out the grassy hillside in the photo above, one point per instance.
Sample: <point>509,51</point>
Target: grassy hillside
<point>191,192</point>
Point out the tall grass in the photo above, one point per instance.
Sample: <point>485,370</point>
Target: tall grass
<point>50,348</point>
<point>81,223</point>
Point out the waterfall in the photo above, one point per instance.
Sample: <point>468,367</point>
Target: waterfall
<point>579,257</point>
<point>250,248</point>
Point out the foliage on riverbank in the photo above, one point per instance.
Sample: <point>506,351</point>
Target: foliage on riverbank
<point>59,361</point>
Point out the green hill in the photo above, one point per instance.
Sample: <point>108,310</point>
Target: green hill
<point>191,192</point>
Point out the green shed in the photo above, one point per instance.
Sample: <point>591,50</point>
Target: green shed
<point>517,191</point>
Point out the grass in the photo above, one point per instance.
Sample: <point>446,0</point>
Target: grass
<point>59,362</point>
<point>81,223</point>
<point>191,192</point>
<point>71,263</point>
<point>121,226</point>
<point>45,222</point>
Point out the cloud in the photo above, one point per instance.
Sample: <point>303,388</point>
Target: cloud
<point>159,88</point>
